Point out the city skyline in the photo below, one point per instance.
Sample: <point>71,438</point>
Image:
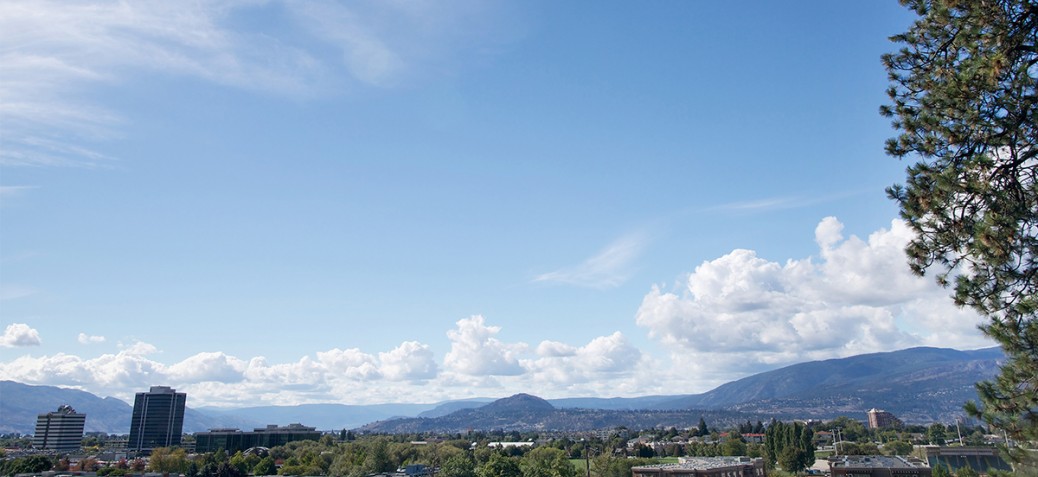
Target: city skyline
<point>282,203</point>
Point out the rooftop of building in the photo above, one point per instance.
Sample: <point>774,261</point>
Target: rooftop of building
<point>295,426</point>
<point>271,428</point>
<point>162,390</point>
<point>876,461</point>
<point>64,410</point>
<point>702,463</point>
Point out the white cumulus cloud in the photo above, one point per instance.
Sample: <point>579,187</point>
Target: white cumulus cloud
<point>214,366</point>
<point>19,334</point>
<point>126,370</point>
<point>221,379</point>
<point>741,313</point>
<point>555,349</point>
<point>411,361</point>
<point>350,363</point>
<point>84,338</point>
<point>476,352</point>
<point>605,358</point>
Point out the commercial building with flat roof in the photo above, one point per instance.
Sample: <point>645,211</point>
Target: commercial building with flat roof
<point>877,466</point>
<point>60,431</point>
<point>704,467</point>
<point>980,459</point>
<point>158,419</point>
<point>234,440</point>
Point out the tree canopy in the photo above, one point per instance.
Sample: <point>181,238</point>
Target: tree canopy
<point>963,98</point>
<point>791,446</point>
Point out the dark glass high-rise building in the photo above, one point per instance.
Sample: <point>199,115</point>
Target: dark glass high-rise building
<point>158,419</point>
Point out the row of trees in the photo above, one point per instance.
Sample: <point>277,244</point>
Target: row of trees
<point>942,471</point>
<point>374,454</point>
<point>791,446</point>
<point>31,464</point>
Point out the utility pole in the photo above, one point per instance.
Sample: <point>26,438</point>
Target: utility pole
<point>587,457</point>
<point>957,430</point>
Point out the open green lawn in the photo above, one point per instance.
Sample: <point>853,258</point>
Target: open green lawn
<point>579,464</point>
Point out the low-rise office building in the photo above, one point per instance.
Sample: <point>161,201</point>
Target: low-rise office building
<point>234,440</point>
<point>980,459</point>
<point>704,467</point>
<point>877,466</point>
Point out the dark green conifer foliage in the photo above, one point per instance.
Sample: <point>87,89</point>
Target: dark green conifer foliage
<point>791,446</point>
<point>963,98</point>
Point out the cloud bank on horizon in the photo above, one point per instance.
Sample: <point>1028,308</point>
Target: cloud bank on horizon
<point>735,315</point>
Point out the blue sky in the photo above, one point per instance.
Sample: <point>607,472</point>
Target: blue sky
<point>264,202</point>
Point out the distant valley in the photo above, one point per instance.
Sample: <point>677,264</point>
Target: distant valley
<point>919,385</point>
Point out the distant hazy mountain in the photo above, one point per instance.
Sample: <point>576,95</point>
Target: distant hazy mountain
<point>919,385</point>
<point>451,406</point>
<point>325,417</point>
<point>20,404</point>
<point>616,404</point>
<point>524,412</point>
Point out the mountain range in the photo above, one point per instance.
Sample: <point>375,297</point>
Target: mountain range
<point>919,385</point>
<point>523,412</point>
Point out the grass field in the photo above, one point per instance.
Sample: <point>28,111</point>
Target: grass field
<point>579,464</point>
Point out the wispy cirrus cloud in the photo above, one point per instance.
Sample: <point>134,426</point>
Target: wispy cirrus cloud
<point>14,292</point>
<point>771,203</point>
<point>609,268</point>
<point>7,192</point>
<point>783,202</point>
<point>54,54</point>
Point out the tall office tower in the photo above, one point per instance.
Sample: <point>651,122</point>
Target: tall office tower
<point>158,419</point>
<point>60,431</point>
